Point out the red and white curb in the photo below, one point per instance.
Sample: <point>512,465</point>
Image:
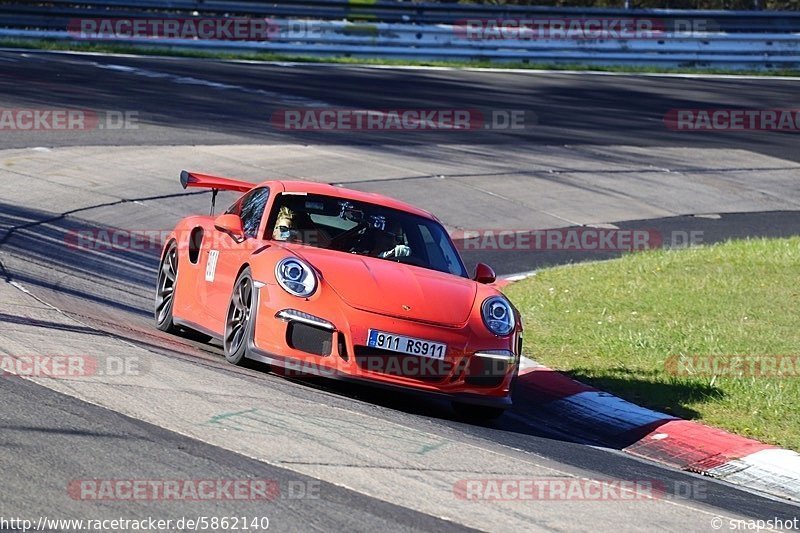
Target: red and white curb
<point>659,437</point>
<point>666,439</point>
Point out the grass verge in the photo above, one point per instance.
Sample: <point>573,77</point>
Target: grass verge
<point>260,56</point>
<point>615,325</point>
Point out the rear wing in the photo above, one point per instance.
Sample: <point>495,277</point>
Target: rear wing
<point>215,183</point>
<point>207,181</point>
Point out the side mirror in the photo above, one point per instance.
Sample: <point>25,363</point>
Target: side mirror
<point>230,224</point>
<point>484,273</point>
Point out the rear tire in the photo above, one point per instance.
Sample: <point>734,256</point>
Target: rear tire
<point>165,297</point>
<point>238,323</point>
<point>477,413</point>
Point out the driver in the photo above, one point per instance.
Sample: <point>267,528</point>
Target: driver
<point>285,227</point>
<point>296,225</point>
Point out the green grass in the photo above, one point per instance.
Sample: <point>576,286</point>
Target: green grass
<point>613,324</point>
<point>33,44</point>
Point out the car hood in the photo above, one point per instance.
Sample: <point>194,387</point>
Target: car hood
<point>394,289</point>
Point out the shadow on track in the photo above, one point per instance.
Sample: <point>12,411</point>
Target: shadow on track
<point>114,296</point>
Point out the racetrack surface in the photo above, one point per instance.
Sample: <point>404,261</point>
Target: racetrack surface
<point>598,154</point>
<point>187,101</point>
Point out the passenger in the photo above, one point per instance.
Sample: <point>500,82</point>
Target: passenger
<point>389,242</point>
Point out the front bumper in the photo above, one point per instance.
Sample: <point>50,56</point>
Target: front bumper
<point>322,336</point>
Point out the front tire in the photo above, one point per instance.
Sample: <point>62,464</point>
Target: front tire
<point>238,323</point>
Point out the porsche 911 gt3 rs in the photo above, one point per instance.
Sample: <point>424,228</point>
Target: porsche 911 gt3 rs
<point>335,282</point>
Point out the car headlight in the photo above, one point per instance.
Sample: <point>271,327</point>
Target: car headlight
<point>498,315</point>
<point>296,277</point>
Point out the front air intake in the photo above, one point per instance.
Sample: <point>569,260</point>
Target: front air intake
<point>310,339</point>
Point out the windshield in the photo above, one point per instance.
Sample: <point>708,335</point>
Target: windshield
<point>364,229</point>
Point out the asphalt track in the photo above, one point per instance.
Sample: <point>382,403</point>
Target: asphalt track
<point>178,100</point>
<point>383,461</point>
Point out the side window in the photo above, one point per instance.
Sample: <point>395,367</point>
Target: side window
<point>251,208</point>
<point>235,209</point>
<point>441,254</point>
<point>431,248</point>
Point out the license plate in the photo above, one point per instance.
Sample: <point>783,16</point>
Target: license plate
<point>406,345</point>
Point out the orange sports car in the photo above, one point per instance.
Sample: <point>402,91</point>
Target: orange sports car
<point>323,280</point>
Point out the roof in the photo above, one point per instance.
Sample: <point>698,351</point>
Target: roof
<point>313,187</point>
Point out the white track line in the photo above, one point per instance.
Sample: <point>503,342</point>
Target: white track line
<point>531,71</point>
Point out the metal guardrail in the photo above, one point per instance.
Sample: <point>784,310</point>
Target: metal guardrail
<point>55,12</point>
<point>397,41</point>
<point>735,48</point>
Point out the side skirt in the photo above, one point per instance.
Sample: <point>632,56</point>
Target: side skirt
<point>191,325</point>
